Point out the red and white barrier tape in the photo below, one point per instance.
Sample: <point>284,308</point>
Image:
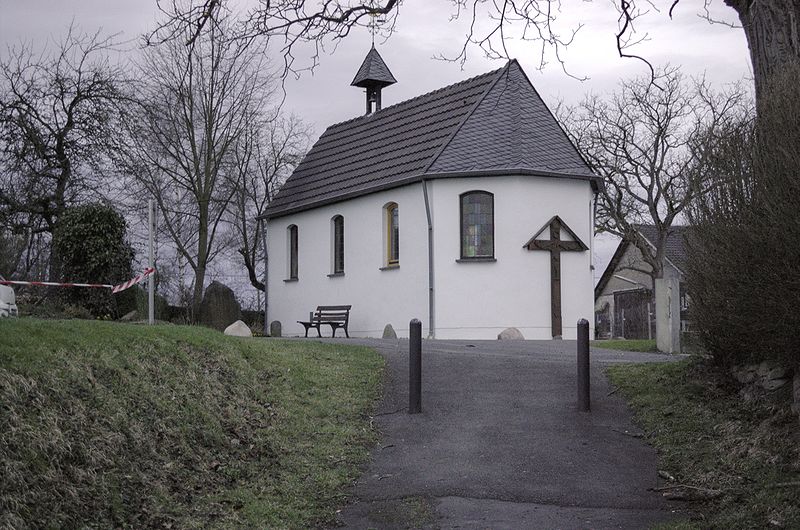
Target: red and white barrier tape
<point>114,288</point>
<point>133,281</point>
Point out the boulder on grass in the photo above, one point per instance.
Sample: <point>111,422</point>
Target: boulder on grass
<point>510,334</point>
<point>275,328</point>
<point>388,332</point>
<point>219,308</point>
<point>238,329</point>
<point>129,316</point>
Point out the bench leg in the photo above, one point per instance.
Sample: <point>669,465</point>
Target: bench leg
<point>319,333</point>
<point>306,330</point>
<point>346,334</point>
<point>334,327</point>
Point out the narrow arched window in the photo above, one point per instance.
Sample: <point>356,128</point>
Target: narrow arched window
<point>477,225</point>
<point>292,266</point>
<point>338,244</point>
<point>392,234</point>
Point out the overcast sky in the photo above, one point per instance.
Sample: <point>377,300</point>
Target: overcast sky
<point>424,31</point>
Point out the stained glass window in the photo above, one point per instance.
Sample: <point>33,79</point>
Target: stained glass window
<point>477,225</point>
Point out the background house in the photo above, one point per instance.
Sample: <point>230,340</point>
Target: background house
<point>624,301</point>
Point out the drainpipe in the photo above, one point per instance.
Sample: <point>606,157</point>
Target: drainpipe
<point>266,274</point>
<point>431,299</point>
<point>592,229</point>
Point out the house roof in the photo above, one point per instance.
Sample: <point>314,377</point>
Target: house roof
<point>373,71</point>
<point>674,251</point>
<point>675,245</point>
<point>491,124</point>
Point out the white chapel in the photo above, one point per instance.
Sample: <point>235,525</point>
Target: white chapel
<point>467,208</point>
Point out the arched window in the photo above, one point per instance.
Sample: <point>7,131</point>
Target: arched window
<point>292,266</point>
<point>392,234</point>
<point>477,225</point>
<point>337,223</point>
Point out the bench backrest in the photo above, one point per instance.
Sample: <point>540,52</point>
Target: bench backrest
<point>332,313</point>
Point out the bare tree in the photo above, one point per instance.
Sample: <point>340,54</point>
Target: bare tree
<point>265,155</point>
<point>771,26</point>
<point>57,114</point>
<point>195,104</point>
<point>651,145</point>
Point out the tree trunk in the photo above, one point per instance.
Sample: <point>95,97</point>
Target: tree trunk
<point>772,28</point>
<point>202,261</point>
<point>197,294</point>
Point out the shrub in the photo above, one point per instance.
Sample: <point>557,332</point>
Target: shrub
<point>744,251</point>
<point>90,246</point>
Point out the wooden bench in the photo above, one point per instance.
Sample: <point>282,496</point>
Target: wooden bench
<point>336,316</point>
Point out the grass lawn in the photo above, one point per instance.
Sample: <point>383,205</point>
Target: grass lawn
<point>110,425</point>
<point>741,460</point>
<point>626,345</point>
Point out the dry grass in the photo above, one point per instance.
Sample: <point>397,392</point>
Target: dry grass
<point>105,425</point>
<point>708,438</point>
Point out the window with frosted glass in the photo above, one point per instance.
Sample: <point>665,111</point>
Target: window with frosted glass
<point>338,244</point>
<point>477,225</point>
<point>293,252</point>
<point>392,235</point>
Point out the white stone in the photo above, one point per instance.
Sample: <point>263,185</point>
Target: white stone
<point>130,316</point>
<point>510,334</point>
<point>238,329</point>
<point>777,372</point>
<point>388,332</point>
<point>774,384</point>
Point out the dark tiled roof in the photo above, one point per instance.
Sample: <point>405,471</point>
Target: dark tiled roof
<point>675,246</point>
<point>675,251</point>
<point>373,69</point>
<point>494,123</point>
<point>510,129</point>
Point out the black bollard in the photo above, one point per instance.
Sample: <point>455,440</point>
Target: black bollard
<point>583,366</point>
<point>415,367</point>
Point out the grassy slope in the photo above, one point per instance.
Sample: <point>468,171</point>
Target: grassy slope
<point>708,437</point>
<point>626,345</point>
<point>108,424</point>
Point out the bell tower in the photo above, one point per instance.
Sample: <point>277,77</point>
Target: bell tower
<point>373,76</point>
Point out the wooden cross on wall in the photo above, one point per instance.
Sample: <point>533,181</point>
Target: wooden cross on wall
<point>556,246</point>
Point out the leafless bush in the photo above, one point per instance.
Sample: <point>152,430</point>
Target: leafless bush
<point>744,266</point>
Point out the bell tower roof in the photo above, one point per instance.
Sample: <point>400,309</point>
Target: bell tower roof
<point>373,72</point>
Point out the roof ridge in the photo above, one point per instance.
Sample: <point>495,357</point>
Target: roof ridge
<point>415,98</point>
<point>558,123</point>
<point>438,153</point>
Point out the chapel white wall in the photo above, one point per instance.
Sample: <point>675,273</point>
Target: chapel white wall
<point>378,297</point>
<point>478,300</point>
<point>473,300</point>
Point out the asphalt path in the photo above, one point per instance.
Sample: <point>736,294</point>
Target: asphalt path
<point>500,443</point>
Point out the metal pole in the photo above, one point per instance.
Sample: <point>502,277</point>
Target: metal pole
<point>415,367</point>
<point>583,365</point>
<point>151,285</point>
<point>266,275</point>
